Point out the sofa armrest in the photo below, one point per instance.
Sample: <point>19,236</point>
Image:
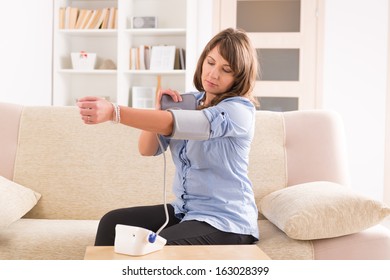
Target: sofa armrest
<point>9,127</point>
<point>315,147</point>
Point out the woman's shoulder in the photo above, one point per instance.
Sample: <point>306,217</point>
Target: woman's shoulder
<point>235,107</point>
<point>243,101</point>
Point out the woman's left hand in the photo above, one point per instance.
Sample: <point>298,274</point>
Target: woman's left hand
<point>176,97</point>
<point>94,110</point>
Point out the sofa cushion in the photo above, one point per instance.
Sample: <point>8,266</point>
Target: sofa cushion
<point>321,210</point>
<point>369,244</point>
<point>278,246</point>
<point>44,239</point>
<point>15,201</point>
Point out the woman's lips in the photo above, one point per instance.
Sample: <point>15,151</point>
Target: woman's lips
<point>210,84</point>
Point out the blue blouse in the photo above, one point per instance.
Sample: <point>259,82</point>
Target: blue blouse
<point>211,183</point>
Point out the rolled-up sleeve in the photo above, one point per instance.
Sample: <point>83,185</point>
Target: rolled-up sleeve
<point>230,119</point>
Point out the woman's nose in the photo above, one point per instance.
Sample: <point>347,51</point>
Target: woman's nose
<point>214,73</point>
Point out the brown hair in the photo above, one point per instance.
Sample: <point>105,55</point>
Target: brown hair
<point>236,48</point>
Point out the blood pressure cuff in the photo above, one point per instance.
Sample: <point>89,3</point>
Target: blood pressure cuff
<point>190,125</point>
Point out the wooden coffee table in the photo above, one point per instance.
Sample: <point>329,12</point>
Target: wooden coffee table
<point>193,252</point>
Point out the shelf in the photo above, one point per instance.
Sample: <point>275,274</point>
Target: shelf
<point>130,72</point>
<point>157,31</point>
<point>151,72</point>
<point>88,72</point>
<point>90,32</point>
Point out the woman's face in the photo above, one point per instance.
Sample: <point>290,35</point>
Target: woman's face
<point>217,75</point>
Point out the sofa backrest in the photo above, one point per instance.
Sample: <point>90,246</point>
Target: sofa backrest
<point>84,171</point>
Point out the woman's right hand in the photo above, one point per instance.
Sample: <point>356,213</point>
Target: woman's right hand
<point>94,110</point>
<point>176,97</point>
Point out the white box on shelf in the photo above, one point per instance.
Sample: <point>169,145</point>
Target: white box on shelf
<point>83,60</point>
<point>143,97</point>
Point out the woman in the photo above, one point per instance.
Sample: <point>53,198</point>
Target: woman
<point>214,197</point>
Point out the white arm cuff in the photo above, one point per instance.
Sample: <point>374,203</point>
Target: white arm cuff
<point>190,125</point>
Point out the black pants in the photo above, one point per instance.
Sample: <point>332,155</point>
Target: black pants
<point>176,233</point>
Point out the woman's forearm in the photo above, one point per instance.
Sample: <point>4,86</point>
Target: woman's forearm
<point>96,110</point>
<point>157,121</point>
<point>148,143</point>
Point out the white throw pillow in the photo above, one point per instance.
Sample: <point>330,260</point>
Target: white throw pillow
<point>318,210</point>
<point>15,201</point>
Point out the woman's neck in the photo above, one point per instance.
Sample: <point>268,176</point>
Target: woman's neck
<point>207,98</point>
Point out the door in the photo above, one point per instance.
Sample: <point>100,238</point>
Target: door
<point>287,36</point>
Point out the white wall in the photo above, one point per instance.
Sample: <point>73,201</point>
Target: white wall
<point>387,155</point>
<point>200,11</point>
<point>26,42</point>
<point>355,73</point>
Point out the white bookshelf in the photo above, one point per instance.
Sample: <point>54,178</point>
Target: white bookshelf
<point>173,28</point>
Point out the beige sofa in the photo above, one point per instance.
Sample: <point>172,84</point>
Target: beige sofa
<point>70,174</point>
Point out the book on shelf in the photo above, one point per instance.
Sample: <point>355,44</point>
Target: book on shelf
<point>162,58</point>
<point>165,58</point>
<point>78,18</point>
<point>147,52</point>
<point>81,17</point>
<point>96,20</point>
<point>92,18</point>
<point>112,18</point>
<point>67,17</point>
<point>73,17</point>
<point>84,19</point>
<point>177,59</point>
<point>99,24</point>
<point>182,57</point>
<point>140,57</point>
<point>132,56</point>
<point>61,18</point>
<point>116,19</point>
<point>106,19</point>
